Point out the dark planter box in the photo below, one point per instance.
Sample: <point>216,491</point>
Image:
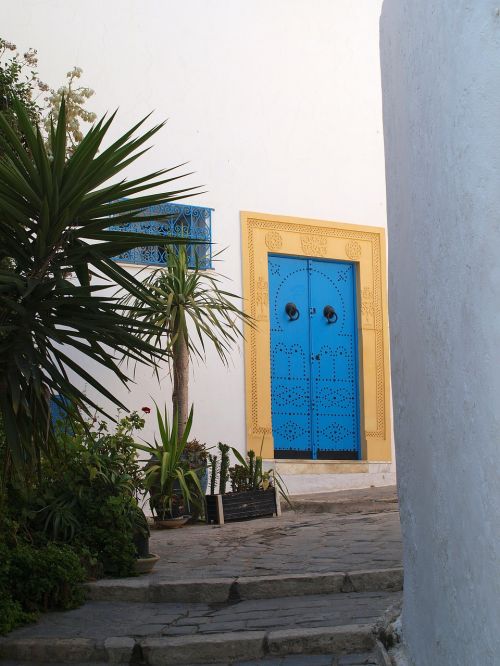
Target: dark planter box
<point>242,506</point>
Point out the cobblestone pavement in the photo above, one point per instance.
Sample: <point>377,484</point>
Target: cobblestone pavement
<point>362,500</point>
<point>99,620</point>
<point>293,543</point>
<point>350,538</point>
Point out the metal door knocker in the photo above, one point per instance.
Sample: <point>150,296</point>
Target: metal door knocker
<point>330,314</point>
<point>292,312</point>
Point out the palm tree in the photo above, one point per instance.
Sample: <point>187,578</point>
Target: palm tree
<point>188,308</point>
<point>54,217</point>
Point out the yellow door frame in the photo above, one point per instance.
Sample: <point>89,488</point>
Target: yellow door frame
<point>366,246</point>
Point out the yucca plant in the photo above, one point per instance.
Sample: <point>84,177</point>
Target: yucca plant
<point>168,472</point>
<point>189,309</point>
<point>57,330</point>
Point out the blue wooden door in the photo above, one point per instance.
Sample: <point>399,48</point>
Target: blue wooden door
<point>334,360</point>
<point>314,358</point>
<point>290,356</point>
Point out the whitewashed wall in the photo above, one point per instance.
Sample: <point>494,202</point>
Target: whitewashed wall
<point>441,73</point>
<point>276,103</point>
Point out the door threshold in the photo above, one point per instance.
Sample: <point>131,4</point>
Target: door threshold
<point>305,466</point>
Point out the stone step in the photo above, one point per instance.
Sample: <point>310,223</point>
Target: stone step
<point>355,659</point>
<point>219,590</point>
<point>340,503</point>
<point>241,648</point>
<point>168,633</point>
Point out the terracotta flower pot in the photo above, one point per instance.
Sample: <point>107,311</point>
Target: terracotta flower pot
<point>171,523</point>
<point>144,565</point>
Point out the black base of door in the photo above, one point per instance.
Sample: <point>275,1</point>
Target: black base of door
<point>294,454</point>
<point>291,453</point>
<point>338,455</point>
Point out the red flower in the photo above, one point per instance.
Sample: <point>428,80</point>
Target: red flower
<point>146,410</point>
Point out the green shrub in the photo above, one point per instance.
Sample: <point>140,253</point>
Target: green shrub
<point>11,611</point>
<point>76,519</point>
<point>108,532</point>
<point>34,579</point>
<point>88,496</point>
<point>34,575</point>
<point>46,578</point>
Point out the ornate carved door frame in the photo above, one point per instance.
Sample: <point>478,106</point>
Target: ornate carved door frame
<point>263,234</point>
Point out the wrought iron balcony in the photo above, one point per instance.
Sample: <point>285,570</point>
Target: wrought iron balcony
<point>194,222</point>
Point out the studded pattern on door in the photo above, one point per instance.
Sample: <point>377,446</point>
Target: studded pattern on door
<point>314,358</point>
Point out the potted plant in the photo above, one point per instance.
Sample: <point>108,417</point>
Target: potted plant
<point>145,561</point>
<point>254,492</point>
<point>173,487</point>
<point>196,455</point>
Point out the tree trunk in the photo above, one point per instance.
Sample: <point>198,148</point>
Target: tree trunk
<point>180,396</point>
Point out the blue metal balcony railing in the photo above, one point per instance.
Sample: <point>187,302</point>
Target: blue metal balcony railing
<point>193,222</point>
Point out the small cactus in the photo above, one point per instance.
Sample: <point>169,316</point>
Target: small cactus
<point>251,469</point>
<point>212,460</point>
<point>224,467</point>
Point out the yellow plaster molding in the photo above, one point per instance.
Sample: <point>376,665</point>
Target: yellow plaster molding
<point>264,233</point>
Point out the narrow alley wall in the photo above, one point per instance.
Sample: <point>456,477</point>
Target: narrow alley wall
<point>441,99</point>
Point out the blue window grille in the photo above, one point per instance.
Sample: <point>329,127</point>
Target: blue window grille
<point>58,415</point>
<point>193,222</point>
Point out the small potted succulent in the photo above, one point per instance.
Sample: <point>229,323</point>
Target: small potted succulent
<point>196,455</point>
<point>254,492</point>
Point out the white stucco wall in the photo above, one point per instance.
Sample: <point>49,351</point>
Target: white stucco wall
<point>441,93</point>
<point>277,105</point>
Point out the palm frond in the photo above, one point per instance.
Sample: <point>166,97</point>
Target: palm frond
<point>54,218</point>
<point>183,299</point>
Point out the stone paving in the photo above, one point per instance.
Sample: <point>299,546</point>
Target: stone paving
<point>346,502</point>
<point>98,620</point>
<point>351,536</point>
<point>291,544</point>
